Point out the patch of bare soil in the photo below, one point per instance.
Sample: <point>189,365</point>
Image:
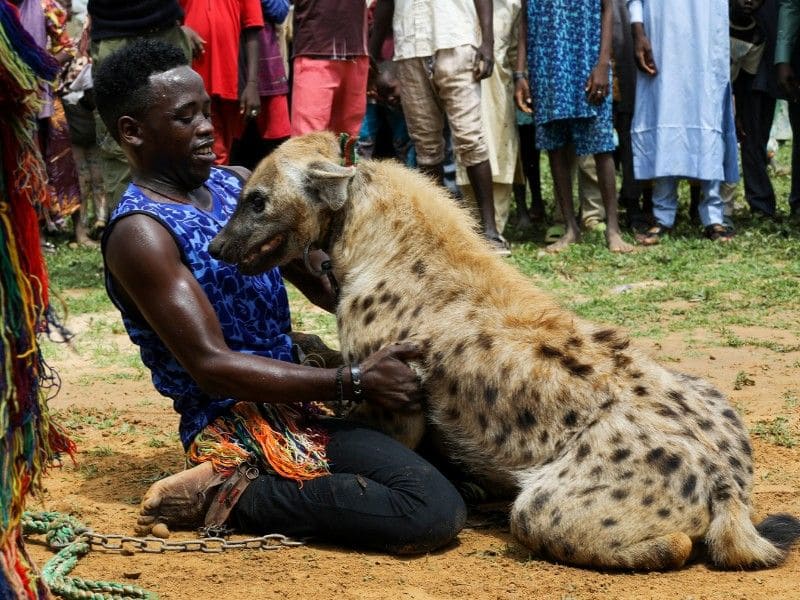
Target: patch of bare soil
<point>126,435</point>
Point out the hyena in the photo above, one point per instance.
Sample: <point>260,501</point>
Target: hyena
<point>616,461</point>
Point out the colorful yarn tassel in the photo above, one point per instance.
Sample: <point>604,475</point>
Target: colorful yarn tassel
<point>27,437</point>
<point>271,433</point>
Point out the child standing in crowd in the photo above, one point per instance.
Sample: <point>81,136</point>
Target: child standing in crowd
<point>568,47</point>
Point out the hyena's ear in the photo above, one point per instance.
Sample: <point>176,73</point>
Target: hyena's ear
<point>327,182</point>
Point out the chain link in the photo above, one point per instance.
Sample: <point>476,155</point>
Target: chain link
<point>73,540</point>
<point>154,545</point>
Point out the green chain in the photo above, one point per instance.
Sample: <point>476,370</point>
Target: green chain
<point>66,534</point>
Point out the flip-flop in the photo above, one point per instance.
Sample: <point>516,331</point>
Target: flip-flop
<point>719,233</point>
<point>652,237</point>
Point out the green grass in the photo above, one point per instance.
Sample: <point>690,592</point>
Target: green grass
<point>684,284</point>
<point>742,379</point>
<point>777,431</point>
<point>75,267</point>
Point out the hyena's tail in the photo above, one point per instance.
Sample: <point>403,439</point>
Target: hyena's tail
<point>735,543</point>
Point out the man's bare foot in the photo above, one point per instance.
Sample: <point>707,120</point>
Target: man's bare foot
<point>563,242</point>
<point>180,501</point>
<point>617,244</point>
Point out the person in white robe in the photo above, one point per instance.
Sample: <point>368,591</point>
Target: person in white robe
<point>683,124</point>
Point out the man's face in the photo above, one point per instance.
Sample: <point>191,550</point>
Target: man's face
<point>176,129</point>
<point>748,7</point>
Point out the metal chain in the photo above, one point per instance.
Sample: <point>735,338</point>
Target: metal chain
<point>154,545</point>
<point>73,540</point>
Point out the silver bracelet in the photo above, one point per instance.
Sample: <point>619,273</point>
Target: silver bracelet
<point>355,383</point>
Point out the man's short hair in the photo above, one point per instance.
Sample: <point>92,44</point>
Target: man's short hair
<point>121,84</point>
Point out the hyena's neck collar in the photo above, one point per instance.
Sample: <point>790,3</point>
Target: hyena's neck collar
<point>328,238</point>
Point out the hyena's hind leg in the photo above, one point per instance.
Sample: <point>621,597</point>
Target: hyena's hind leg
<point>408,428</point>
<point>604,515</point>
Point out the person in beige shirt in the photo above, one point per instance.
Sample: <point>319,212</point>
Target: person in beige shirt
<point>443,51</point>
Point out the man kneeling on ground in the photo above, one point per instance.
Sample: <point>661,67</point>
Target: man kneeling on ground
<point>218,343</point>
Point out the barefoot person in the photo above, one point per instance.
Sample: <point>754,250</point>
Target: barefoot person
<point>217,343</point>
<point>568,48</point>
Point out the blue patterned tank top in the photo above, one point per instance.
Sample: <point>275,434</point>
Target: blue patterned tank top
<point>253,311</point>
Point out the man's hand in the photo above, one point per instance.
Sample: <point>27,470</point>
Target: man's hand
<point>484,61</point>
<point>250,102</point>
<point>388,381</point>
<point>787,81</point>
<point>597,85</point>
<point>643,51</point>
<point>522,95</point>
<point>196,44</point>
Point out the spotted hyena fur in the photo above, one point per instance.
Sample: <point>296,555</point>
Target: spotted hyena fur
<point>616,460</point>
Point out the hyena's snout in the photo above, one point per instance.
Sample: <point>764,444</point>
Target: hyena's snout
<point>217,246</point>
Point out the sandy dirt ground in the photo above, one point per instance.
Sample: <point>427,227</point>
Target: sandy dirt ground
<point>127,439</point>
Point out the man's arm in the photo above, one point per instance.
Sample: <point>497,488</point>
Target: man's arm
<point>146,265</point>
<point>597,85</point>
<point>484,59</point>
<point>381,27</point>
<point>250,102</point>
<point>642,49</point>
<point>522,88</point>
<point>788,25</point>
<point>316,288</point>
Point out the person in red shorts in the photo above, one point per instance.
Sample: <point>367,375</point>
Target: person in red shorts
<point>220,24</point>
<point>331,64</point>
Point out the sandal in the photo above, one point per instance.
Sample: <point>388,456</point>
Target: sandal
<point>719,233</point>
<point>652,236</point>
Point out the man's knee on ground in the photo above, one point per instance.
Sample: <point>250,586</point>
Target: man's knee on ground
<point>435,524</point>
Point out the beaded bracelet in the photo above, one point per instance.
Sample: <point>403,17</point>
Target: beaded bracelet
<point>339,386</point>
<point>517,75</point>
<point>355,382</point>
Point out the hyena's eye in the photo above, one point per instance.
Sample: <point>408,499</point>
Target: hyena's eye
<point>256,201</point>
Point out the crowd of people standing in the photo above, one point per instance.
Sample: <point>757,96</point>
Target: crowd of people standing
<point>468,91</point>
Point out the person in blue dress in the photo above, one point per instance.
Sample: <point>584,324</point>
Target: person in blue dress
<point>219,344</point>
<point>567,87</point>
<point>683,124</point>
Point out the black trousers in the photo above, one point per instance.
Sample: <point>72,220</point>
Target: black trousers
<point>380,496</point>
<point>756,110</point>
